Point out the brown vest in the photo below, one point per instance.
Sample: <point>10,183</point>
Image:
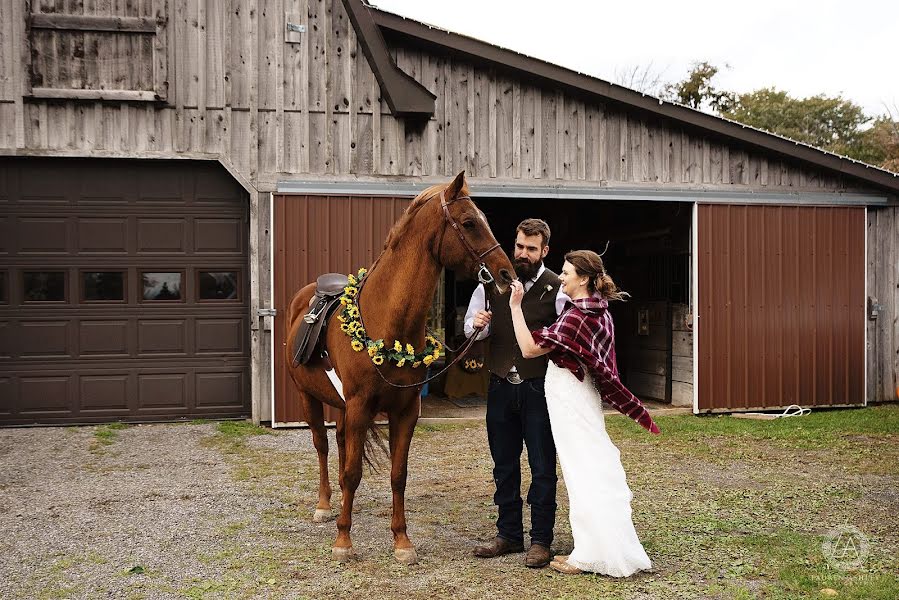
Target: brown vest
<point>539,308</point>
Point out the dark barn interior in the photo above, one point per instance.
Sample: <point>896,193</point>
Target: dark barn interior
<point>648,256</point>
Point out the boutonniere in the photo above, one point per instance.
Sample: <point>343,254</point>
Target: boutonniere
<point>548,288</point>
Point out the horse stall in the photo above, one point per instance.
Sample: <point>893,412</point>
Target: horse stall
<point>648,255</point>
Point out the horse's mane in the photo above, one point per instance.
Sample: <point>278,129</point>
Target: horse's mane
<point>413,208</point>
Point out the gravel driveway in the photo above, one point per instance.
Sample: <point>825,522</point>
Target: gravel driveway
<point>725,508</point>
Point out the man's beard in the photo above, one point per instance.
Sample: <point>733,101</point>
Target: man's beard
<point>525,269</point>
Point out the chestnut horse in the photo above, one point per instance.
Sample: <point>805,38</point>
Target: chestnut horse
<point>442,227</point>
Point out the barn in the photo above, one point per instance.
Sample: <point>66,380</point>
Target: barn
<point>172,170</point>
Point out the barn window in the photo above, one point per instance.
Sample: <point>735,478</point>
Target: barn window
<point>44,286</point>
<point>218,285</point>
<point>103,286</point>
<point>160,286</point>
<point>111,51</point>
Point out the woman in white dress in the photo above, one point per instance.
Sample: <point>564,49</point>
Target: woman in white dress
<point>582,372</point>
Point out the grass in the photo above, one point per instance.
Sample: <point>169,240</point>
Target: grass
<point>106,435</point>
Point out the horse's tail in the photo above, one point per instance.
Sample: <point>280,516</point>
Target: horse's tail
<point>375,449</point>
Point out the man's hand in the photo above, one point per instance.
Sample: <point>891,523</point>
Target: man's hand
<point>482,319</point>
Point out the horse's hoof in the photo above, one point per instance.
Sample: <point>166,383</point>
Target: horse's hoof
<point>342,554</point>
<point>406,556</point>
<point>322,515</point>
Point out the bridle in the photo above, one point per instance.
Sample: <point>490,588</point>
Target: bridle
<point>484,276</point>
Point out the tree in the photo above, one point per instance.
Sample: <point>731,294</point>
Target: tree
<point>880,143</point>
<point>697,90</point>
<point>831,123</point>
<point>646,79</point>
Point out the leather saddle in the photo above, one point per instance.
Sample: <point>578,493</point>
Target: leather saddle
<point>328,290</point>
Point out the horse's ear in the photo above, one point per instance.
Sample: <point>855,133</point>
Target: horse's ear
<point>455,188</point>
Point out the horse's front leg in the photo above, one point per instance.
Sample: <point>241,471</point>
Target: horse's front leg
<point>355,427</point>
<point>401,429</point>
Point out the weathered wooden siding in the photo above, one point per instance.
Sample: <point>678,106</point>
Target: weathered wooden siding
<point>240,88</point>
<point>883,289</point>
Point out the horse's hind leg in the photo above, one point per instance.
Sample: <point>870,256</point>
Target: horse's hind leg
<point>355,428</point>
<point>401,429</point>
<point>315,417</point>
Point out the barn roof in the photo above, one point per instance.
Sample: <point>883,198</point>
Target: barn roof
<point>405,96</point>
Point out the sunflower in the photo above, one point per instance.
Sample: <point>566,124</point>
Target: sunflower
<point>378,360</point>
<point>360,332</point>
<point>344,328</point>
<point>410,349</point>
<point>351,279</point>
<point>341,318</point>
<point>397,346</point>
<point>401,362</point>
<point>362,273</point>
<point>427,360</point>
<point>352,310</point>
<point>372,350</point>
<point>357,345</point>
<point>436,353</point>
<point>351,291</point>
<point>416,364</point>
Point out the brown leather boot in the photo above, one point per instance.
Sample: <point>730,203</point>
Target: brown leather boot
<point>497,547</point>
<point>538,556</point>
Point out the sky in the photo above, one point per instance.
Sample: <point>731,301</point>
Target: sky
<point>802,47</point>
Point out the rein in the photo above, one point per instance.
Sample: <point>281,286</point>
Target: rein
<point>484,276</point>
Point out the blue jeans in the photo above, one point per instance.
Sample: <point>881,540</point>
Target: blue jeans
<point>516,415</point>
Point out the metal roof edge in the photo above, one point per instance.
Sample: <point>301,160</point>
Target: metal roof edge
<point>524,191</point>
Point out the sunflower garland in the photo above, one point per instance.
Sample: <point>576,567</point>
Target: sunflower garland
<point>399,353</point>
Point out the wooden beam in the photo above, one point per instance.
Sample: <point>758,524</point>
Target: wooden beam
<point>93,23</point>
<point>116,95</point>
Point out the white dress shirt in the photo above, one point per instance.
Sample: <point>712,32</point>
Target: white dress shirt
<point>478,302</point>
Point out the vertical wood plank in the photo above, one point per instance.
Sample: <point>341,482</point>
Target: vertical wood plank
<point>517,124</point>
<point>560,143</point>
<point>666,145</point>
<point>433,156</point>
<point>19,67</point>
<point>376,127</point>
<point>481,124</point>
<point>549,145</point>
<point>530,111</point>
<point>714,163</point>
<point>581,140</point>
<point>493,131</point>
<point>538,172</point>
<point>469,121</point>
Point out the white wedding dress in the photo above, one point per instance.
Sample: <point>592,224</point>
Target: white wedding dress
<point>598,496</point>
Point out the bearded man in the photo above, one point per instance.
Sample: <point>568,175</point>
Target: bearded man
<point>516,402</point>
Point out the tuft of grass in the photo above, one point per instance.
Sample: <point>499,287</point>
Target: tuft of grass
<point>240,429</point>
<point>106,435</point>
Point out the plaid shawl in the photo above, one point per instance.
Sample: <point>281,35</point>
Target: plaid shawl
<point>584,336</point>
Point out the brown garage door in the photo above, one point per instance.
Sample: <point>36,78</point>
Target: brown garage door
<point>123,291</point>
<point>781,306</point>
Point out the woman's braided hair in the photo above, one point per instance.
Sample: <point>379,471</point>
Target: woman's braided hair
<point>587,263</point>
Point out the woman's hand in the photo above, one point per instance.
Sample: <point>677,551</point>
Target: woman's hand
<point>517,294</point>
